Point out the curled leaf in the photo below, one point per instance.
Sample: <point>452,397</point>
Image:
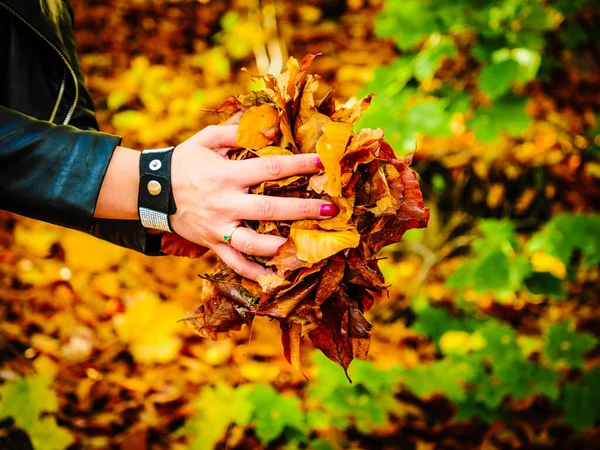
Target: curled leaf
<point>331,147</point>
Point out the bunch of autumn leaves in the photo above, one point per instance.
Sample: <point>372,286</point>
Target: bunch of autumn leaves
<point>327,273</point>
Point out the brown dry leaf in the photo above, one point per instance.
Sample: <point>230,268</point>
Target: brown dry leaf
<point>359,330</point>
<point>310,132</point>
<point>331,277</point>
<point>286,259</point>
<point>269,283</point>
<point>284,304</point>
<point>352,112</point>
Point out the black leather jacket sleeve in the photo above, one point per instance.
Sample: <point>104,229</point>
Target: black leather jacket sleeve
<point>54,172</point>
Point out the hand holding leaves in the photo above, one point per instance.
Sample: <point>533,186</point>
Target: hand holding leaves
<point>327,273</point>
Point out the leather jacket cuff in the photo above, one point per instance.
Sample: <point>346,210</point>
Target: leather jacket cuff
<point>128,233</point>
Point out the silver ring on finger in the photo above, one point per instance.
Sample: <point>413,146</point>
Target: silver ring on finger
<point>229,236</point>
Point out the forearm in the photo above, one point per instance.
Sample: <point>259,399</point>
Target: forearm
<point>49,172</point>
<point>119,190</point>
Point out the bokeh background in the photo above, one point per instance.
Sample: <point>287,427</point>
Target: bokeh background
<point>489,336</point>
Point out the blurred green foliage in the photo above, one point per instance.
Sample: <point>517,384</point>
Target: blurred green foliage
<point>28,401</point>
<point>504,44</point>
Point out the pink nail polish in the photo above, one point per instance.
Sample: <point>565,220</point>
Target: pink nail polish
<point>319,163</point>
<point>329,210</point>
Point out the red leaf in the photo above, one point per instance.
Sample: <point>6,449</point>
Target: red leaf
<point>330,338</point>
<point>173,244</point>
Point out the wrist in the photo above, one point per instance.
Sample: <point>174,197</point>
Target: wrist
<point>117,198</point>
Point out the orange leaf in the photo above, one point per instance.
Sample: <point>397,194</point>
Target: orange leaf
<point>258,127</point>
<point>331,147</point>
<point>315,245</point>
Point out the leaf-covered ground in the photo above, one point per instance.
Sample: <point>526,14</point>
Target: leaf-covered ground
<point>489,336</point>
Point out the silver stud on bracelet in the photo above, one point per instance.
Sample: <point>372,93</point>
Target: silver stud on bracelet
<point>155,164</point>
<point>154,187</point>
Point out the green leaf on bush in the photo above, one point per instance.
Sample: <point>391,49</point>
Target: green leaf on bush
<point>495,79</point>
<point>434,322</point>
<point>506,115</point>
<point>446,377</point>
<point>430,118</point>
<point>429,60</point>
<point>216,407</point>
<point>273,414</point>
<point>544,283</point>
<point>565,345</point>
<point>581,401</point>
<point>565,234</point>
<point>408,22</point>
<point>366,402</point>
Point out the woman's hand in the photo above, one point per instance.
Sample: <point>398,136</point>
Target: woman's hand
<point>211,194</point>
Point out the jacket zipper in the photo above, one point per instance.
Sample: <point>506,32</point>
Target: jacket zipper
<point>64,59</point>
<point>60,94</point>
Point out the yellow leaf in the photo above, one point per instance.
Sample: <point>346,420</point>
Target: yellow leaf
<point>309,133</point>
<point>386,206</point>
<point>273,151</point>
<point>315,245</point>
<point>461,342</point>
<point>258,127</point>
<point>150,327</point>
<point>35,239</point>
<point>86,253</point>
<point>318,182</point>
<point>543,262</point>
<point>495,195</point>
<point>331,147</point>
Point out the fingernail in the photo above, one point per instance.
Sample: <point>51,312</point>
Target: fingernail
<point>329,210</point>
<point>319,163</point>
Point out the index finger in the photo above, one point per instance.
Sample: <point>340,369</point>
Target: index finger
<point>253,171</point>
<point>217,136</point>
